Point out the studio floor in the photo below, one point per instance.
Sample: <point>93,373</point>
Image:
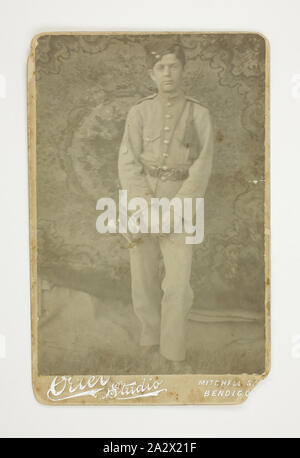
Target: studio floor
<point>80,334</point>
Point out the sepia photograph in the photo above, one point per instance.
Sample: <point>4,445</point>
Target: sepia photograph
<point>150,226</point>
<point>149,208</point>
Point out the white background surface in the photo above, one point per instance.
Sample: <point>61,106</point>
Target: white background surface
<point>273,408</point>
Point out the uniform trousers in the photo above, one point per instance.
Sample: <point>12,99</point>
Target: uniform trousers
<point>162,306</point>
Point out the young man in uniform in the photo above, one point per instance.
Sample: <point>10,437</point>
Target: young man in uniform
<point>166,151</point>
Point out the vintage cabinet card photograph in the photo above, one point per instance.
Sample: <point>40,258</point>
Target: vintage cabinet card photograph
<point>149,217</point>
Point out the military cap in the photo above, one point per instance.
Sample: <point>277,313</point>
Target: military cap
<point>156,50</point>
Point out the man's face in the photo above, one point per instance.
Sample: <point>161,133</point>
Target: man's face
<point>167,73</point>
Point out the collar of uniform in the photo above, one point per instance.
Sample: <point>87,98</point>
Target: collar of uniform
<point>165,97</point>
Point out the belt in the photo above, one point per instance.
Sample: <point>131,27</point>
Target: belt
<point>165,173</point>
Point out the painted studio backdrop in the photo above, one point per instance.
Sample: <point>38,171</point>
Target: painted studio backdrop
<point>85,87</point>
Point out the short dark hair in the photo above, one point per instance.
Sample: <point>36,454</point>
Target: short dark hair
<point>155,53</point>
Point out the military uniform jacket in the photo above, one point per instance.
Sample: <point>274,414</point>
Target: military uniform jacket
<point>169,134</point>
